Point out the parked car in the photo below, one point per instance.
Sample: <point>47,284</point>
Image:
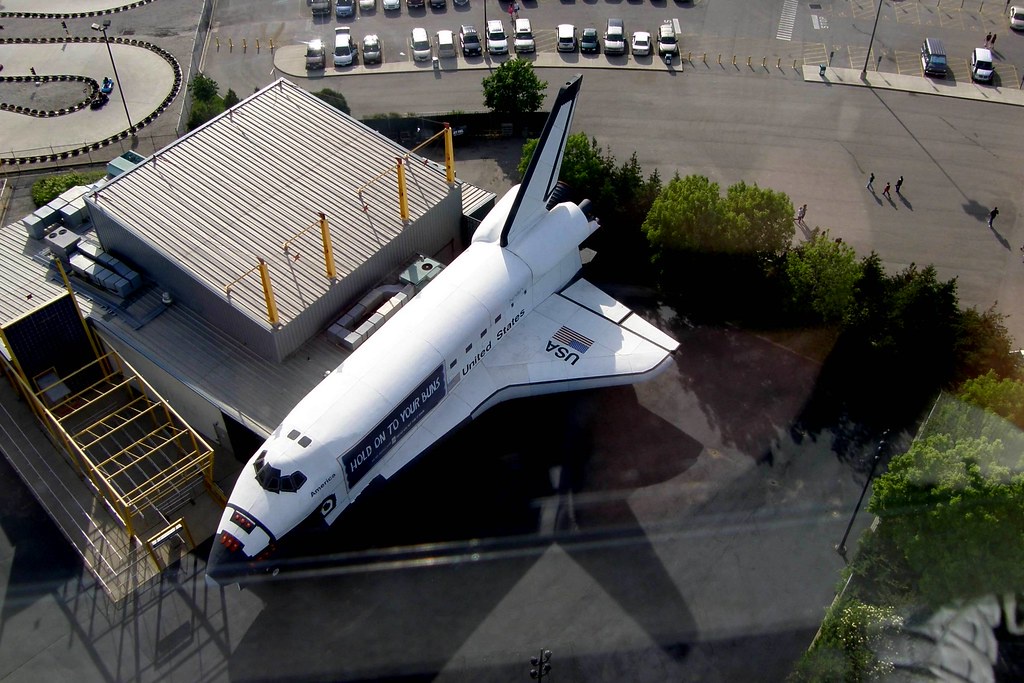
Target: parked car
<point>933,58</point>
<point>371,49</point>
<point>469,41</point>
<point>391,5</point>
<point>615,37</point>
<point>1017,18</point>
<point>668,44</point>
<point>419,43</point>
<point>319,7</point>
<point>316,54</point>
<point>524,37</point>
<point>345,8</point>
<point>438,4</point>
<point>588,40</point>
<point>497,41</point>
<point>460,3</point>
<point>981,65</point>
<point>414,3</point>
<point>344,50</point>
<point>445,42</point>
<point>641,44</point>
<point>367,5</point>
<point>565,38</point>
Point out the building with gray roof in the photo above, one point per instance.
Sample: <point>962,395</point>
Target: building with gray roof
<point>200,215</point>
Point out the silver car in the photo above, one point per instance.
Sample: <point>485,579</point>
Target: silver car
<point>371,49</point>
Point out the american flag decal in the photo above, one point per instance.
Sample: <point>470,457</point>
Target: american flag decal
<point>573,339</point>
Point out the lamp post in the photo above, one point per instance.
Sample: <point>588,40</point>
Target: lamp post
<point>871,42</point>
<point>841,548</point>
<point>103,28</point>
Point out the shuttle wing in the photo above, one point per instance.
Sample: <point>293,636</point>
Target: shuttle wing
<point>578,338</point>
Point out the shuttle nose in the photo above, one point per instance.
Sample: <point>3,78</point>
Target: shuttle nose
<point>228,562</point>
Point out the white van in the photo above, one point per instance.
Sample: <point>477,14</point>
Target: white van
<point>524,37</point>
<point>445,41</point>
<point>420,45</point>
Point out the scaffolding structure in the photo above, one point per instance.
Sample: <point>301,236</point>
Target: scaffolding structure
<point>140,460</point>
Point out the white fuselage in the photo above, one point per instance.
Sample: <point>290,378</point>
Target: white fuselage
<point>349,429</point>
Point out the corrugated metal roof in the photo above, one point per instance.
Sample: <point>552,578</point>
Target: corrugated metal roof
<point>24,285</point>
<point>238,188</point>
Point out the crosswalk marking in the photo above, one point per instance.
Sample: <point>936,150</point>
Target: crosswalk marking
<point>787,20</point>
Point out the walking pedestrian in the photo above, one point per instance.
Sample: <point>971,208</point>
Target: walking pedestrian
<point>871,182</point>
<point>886,191</point>
<point>800,213</point>
<point>516,6</point>
<point>511,11</point>
<point>993,43</point>
<point>992,215</point>
<point>988,38</point>
<point>899,184</point>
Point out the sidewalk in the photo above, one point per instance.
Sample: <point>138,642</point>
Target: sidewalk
<point>915,84</point>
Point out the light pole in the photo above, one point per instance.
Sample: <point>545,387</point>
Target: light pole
<point>103,28</point>
<point>872,40</point>
<point>841,548</point>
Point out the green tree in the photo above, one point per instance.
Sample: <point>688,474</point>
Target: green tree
<point>514,88</point>
<point>230,98</point>
<point>691,215</point>
<point>203,88</point>
<point>955,508</point>
<point>845,647</point>
<point>1004,397</point>
<point>334,98</point>
<point>762,219</point>
<point>686,217</point>
<point>822,275</point>
<point>983,344</point>
<point>48,188</point>
<point>203,111</point>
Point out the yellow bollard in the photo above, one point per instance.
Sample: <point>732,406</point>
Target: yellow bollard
<point>719,59</point>
<point>271,44</point>
<point>734,60</point>
<point>244,46</point>
<point>764,60</point>
<point>231,45</point>
<point>705,58</point>
<point>748,61</point>
<point>218,43</point>
<point>257,45</point>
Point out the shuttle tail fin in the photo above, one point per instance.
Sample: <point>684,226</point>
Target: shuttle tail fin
<point>542,173</point>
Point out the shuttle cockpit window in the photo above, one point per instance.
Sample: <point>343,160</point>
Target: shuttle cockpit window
<point>271,479</point>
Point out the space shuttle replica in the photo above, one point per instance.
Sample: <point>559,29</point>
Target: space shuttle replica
<point>508,318</point>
